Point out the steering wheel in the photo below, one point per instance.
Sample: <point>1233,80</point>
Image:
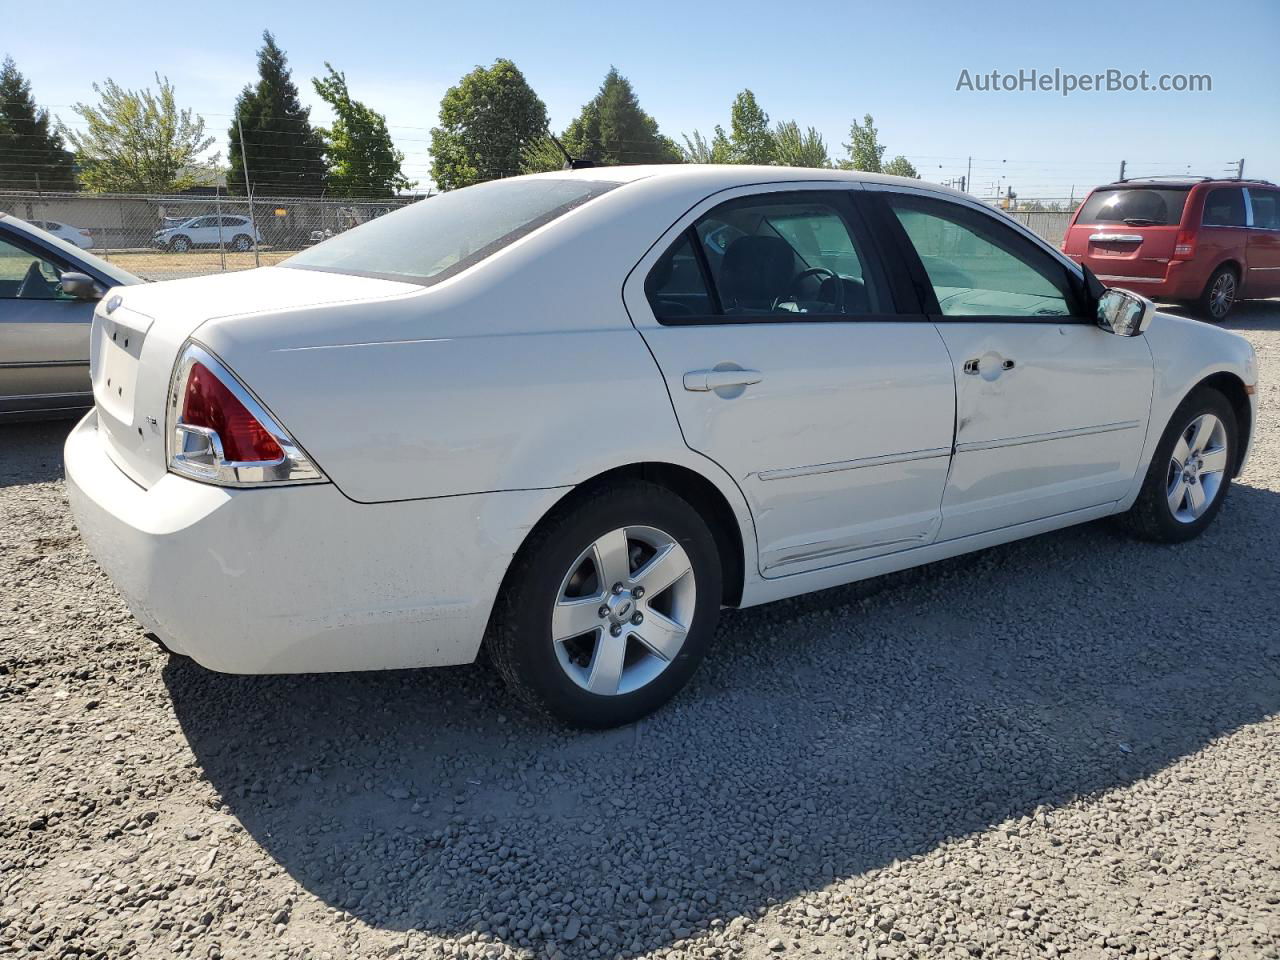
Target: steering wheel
<point>824,273</point>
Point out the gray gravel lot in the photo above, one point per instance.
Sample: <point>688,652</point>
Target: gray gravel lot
<point>1061,747</point>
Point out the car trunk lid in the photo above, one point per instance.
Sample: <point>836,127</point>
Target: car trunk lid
<point>138,331</point>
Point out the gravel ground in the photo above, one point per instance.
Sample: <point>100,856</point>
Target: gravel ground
<point>1061,747</point>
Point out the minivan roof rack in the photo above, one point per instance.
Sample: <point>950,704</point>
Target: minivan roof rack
<point>1184,178</point>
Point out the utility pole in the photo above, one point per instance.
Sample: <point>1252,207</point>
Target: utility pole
<point>968,173</point>
<point>248,190</point>
<point>1240,169</point>
<point>1121,171</point>
<point>964,182</point>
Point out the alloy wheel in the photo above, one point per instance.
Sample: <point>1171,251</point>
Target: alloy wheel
<point>1197,468</point>
<point>1222,295</point>
<point>623,610</point>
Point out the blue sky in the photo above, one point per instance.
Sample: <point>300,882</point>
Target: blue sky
<point>819,62</point>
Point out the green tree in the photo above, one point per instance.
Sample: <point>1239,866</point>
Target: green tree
<point>900,166</point>
<point>612,129</point>
<point>32,152</point>
<point>866,152</point>
<point>541,156</point>
<point>137,141</point>
<point>794,147</point>
<point>285,154</point>
<point>487,122</point>
<point>696,149</point>
<point>750,139</point>
<point>363,160</point>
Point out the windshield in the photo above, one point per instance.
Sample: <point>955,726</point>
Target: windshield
<point>1138,207</point>
<point>440,236</point>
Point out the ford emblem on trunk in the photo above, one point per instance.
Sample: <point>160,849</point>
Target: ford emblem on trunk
<point>113,303</point>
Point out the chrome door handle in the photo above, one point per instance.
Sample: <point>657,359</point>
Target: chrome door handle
<point>972,367</point>
<point>700,381</point>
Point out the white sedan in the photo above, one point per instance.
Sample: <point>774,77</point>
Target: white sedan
<point>570,416</point>
<point>79,236</point>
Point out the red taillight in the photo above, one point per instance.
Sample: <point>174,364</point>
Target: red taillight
<point>209,403</point>
<point>1184,248</point>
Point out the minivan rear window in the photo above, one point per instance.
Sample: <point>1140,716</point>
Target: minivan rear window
<point>1136,206</point>
<point>435,238</point>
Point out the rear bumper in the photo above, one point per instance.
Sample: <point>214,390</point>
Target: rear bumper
<point>298,579</point>
<point>1182,280</point>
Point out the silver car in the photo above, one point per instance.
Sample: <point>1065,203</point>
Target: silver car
<point>48,288</point>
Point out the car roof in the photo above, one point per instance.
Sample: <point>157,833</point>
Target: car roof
<point>728,175</point>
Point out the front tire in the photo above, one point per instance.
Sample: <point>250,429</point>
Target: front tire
<point>180,245</point>
<point>1190,473</point>
<point>1219,295</point>
<point>609,608</point>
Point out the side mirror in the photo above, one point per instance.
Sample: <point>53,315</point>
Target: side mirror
<point>80,286</point>
<point>1124,313</point>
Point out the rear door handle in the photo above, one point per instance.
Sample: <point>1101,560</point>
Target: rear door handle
<point>700,381</point>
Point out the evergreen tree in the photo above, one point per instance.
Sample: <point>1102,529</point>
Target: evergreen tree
<point>285,154</point>
<point>612,129</point>
<point>488,122</point>
<point>32,153</point>
<point>363,160</point>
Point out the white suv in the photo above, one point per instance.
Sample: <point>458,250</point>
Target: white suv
<point>235,233</point>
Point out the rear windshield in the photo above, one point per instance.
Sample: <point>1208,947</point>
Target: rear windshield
<point>1138,207</point>
<point>433,239</point>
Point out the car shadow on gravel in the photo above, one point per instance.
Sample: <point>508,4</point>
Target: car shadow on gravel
<point>824,737</point>
<point>32,452</point>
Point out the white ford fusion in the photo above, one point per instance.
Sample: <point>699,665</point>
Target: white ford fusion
<point>571,416</point>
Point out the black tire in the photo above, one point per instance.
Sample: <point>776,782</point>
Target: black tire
<point>1219,296</point>
<point>520,643</point>
<point>180,245</point>
<point>1151,517</point>
<point>241,243</point>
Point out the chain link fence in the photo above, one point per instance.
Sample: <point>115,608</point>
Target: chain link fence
<point>165,237</point>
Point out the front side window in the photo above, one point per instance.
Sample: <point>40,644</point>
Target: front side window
<point>27,276</point>
<point>1224,207</point>
<point>778,256</point>
<point>435,238</point>
<point>977,266</point>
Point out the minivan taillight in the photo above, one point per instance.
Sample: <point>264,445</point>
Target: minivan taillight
<point>219,432</point>
<point>1184,248</point>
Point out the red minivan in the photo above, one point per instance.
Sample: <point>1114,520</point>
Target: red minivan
<point>1199,241</point>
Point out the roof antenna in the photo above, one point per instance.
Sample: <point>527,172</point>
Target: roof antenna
<point>569,162</point>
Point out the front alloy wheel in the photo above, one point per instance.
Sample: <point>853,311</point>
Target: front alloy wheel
<point>1196,468</point>
<point>1190,472</point>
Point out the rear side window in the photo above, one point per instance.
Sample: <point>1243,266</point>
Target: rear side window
<point>777,256</point>
<point>1266,209</point>
<point>433,239</point>
<point>1224,207</point>
<point>1136,206</point>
